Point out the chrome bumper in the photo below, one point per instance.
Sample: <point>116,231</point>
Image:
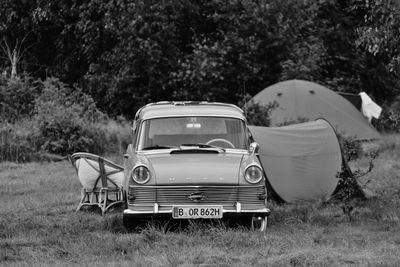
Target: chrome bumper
<point>226,212</point>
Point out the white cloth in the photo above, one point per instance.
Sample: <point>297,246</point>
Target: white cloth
<point>369,108</point>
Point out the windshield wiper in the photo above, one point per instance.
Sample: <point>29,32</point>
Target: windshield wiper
<point>159,147</point>
<point>201,145</point>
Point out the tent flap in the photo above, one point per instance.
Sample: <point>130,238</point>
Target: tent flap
<point>301,161</point>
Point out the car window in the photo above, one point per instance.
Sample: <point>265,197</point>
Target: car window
<point>175,131</point>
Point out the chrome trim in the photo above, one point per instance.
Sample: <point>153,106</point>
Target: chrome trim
<point>193,115</point>
<point>226,195</point>
<point>196,186</point>
<point>251,165</point>
<point>134,212</point>
<point>238,207</point>
<point>137,166</point>
<point>155,208</point>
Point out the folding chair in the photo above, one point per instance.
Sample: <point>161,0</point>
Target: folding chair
<point>101,181</point>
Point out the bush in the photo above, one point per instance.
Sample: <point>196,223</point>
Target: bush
<point>116,135</point>
<point>351,148</point>
<point>48,117</point>
<point>66,134</point>
<point>259,115</point>
<point>389,120</point>
<point>17,98</point>
<point>67,119</point>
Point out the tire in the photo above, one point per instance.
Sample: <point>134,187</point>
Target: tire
<point>259,224</point>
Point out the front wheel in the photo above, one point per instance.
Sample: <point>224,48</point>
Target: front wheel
<point>259,224</point>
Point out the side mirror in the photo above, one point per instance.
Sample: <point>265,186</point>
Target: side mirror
<point>254,148</point>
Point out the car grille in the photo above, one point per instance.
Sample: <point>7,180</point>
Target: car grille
<point>166,196</point>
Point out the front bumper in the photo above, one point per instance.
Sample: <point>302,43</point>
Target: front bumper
<point>155,213</point>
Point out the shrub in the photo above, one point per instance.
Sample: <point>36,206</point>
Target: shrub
<point>61,120</point>
<point>259,115</point>
<point>389,120</point>
<point>116,135</point>
<point>17,98</point>
<point>66,133</point>
<point>351,147</point>
<point>67,119</point>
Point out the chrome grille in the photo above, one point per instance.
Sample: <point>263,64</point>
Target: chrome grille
<point>227,196</point>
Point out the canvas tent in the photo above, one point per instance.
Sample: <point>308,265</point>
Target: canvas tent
<point>304,100</point>
<point>301,161</point>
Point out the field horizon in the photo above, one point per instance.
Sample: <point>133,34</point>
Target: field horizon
<point>39,226</point>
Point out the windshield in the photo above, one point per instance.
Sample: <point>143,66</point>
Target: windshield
<point>177,131</point>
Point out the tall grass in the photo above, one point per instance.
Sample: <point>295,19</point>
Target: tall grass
<point>117,136</point>
<point>19,142</point>
<point>23,141</point>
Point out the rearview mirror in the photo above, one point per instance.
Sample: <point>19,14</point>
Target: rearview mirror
<point>254,147</point>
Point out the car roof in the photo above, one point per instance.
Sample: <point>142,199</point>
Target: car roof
<point>189,108</point>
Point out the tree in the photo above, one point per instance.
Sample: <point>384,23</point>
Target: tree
<point>15,33</point>
<point>378,39</point>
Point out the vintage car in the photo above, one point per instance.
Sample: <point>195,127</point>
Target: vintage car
<point>193,160</point>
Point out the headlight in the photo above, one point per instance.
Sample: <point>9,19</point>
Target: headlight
<point>141,175</point>
<point>253,174</point>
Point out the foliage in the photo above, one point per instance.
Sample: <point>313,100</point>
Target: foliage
<point>389,121</point>
<point>379,34</point>
<point>307,51</point>
<point>115,135</point>
<point>17,98</point>
<point>259,115</point>
<point>58,120</point>
<point>57,95</point>
<point>115,56</point>
<point>349,191</point>
<point>66,119</point>
<point>126,54</point>
<point>351,148</point>
<point>378,41</point>
<point>20,141</point>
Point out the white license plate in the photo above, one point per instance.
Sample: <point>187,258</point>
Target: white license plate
<point>195,212</point>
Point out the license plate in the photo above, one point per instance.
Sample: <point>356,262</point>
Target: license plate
<point>195,212</point>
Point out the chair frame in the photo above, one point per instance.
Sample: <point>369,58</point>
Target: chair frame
<point>98,195</point>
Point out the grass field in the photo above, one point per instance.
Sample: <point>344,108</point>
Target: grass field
<point>39,227</point>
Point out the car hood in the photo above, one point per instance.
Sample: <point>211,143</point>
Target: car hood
<point>196,169</point>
